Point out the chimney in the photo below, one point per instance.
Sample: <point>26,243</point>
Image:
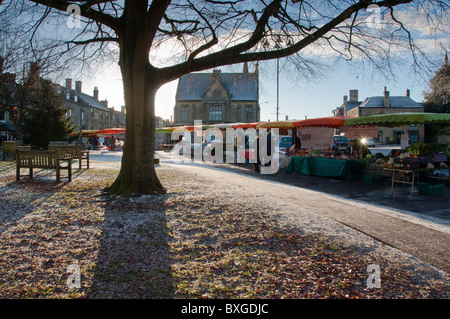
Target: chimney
<point>96,92</point>
<point>33,75</point>
<point>216,74</point>
<point>78,86</point>
<point>122,109</point>
<point>105,102</point>
<point>69,84</point>
<point>386,101</point>
<point>353,96</point>
<point>407,92</point>
<point>345,99</point>
<point>245,68</point>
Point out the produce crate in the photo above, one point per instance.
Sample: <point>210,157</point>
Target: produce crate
<point>373,179</point>
<point>431,189</point>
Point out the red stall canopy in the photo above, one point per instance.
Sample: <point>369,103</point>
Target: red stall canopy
<point>332,122</point>
<point>110,131</point>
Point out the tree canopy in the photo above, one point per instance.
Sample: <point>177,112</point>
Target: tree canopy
<point>438,99</point>
<point>45,117</point>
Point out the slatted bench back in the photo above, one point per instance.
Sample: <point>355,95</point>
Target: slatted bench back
<point>37,159</point>
<point>72,151</point>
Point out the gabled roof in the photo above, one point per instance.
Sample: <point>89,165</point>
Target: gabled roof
<point>351,105</point>
<point>241,86</point>
<point>84,98</point>
<point>91,101</point>
<point>395,101</point>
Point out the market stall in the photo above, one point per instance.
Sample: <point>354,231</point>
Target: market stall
<point>316,157</point>
<point>347,169</point>
<point>316,135</point>
<point>412,164</point>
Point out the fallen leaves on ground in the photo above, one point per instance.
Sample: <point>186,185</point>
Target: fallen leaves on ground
<point>192,242</point>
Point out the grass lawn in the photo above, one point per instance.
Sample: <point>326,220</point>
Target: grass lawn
<point>188,243</point>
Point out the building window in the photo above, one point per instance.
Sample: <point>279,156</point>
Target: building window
<point>248,113</point>
<point>82,119</point>
<point>380,136</point>
<point>413,137</point>
<point>184,114</point>
<point>215,112</point>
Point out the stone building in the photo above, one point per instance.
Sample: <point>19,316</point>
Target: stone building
<point>387,104</point>
<point>118,118</point>
<point>217,98</point>
<point>349,102</point>
<point>87,111</point>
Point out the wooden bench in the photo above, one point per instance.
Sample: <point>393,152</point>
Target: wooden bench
<point>72,151</point>
<point>11,147</point>
<point>42,159</point>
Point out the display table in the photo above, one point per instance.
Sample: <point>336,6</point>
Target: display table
<point>400,176</point>
<point>348,169</point>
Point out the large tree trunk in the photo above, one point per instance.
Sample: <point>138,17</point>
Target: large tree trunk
<point>137,174</point>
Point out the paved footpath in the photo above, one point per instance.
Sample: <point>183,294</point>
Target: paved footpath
<point>408,232</point>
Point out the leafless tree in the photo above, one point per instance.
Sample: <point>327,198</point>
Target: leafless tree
<point>205,34</point>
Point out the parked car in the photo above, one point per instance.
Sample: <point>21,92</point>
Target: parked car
<point>369,142</point>
<point>340,143</point>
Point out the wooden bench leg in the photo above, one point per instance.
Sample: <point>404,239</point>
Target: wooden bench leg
<point>17,173</point>
<point>31,172</point>
<point>58,175</point>
<point>70,169</point>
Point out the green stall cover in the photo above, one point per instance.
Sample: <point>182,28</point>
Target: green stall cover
<point>399,119</point>
<point>347,169</point>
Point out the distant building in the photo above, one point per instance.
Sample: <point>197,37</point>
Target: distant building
<point>161,138</point>
<point>118,118</point>
<point>88,112</point>
<point>385,104</point>
<point>217,98</point>
<point>348,103</point>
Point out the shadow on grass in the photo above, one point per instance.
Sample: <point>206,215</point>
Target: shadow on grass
<point>133,259</point>
<point>35,192</point>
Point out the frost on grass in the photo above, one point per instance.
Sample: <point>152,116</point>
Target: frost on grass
<point>200,240</point>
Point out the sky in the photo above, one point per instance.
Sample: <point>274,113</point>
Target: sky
<point>297,98</point>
